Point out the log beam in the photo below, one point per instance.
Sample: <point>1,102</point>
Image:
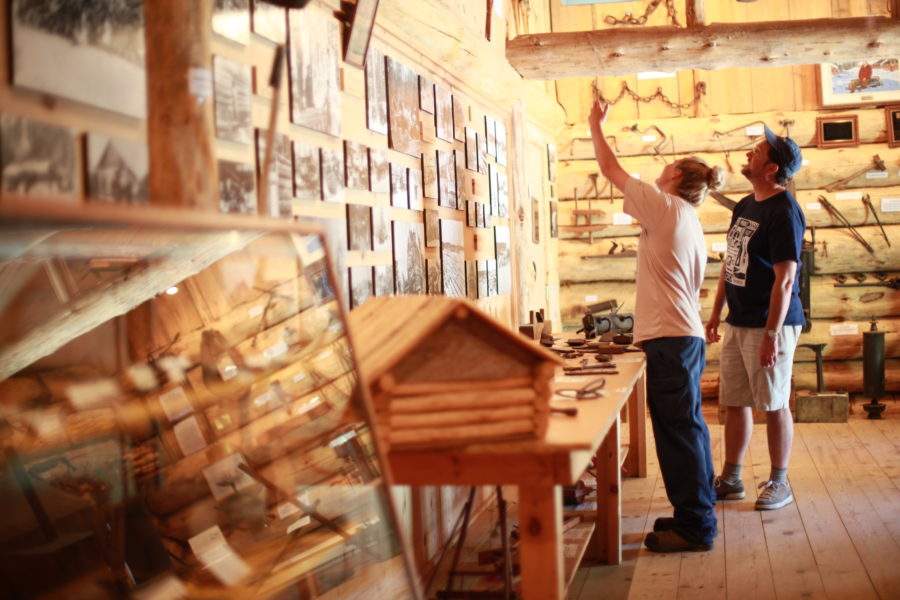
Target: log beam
<point>720,45</point>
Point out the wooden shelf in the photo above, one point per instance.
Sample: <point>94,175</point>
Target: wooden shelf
<point>575,543</point>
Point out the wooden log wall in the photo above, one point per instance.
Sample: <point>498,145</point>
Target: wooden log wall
<point>596,251</point>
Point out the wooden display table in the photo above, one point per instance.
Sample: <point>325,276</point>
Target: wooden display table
<point>539,467</point>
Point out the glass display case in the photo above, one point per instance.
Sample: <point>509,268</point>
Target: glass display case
<point>180,414</point>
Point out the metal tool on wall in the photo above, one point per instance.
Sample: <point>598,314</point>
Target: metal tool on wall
<point>867,201</point>
<point>877,163</point>
<point>836,214</point>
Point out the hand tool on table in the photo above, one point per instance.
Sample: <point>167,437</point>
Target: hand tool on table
<point>589,391</point>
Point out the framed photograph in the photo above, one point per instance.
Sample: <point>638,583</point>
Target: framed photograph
<point>376,92</point>
<point>359,227</point>
<point>501,251</point>
<point>384,280</point>
<point>554,220</point>
<point>443,113</point>
<point>860,82</point>
<point>399,186</point>
<point>231,85</point>
<point>426,95</point>
<point>446,179</point>
<point>332,175</point>
<point>360,32</point>
<point>414,176</point>
<point>307,174</point>
<point>356,165</point>
<point>361,285</point>
<point>281,184</point>
<point>314,70</point>
<point>409,257</point>
<point>231,20</point>
<point>459,119</point>
<point>453,258</point>
<point>403,108</point>
<point>36,158</point>
<point>837,131</point>
<point>892,125</point>
<point>117,170</point>
<point>429,174</point>
<point>381,229</point>
<point>237,188</point>
<point>471,280</point>
<point>433,267</point>
<point>379,174</point>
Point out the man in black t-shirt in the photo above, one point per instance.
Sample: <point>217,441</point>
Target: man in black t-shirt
<point>760,284</point>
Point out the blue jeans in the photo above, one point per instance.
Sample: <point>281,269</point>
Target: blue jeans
<point>674,366</point>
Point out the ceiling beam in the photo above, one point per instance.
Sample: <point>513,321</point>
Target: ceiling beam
<point>716,46</point>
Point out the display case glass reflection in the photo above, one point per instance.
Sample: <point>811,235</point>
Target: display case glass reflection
<point>181,415</point>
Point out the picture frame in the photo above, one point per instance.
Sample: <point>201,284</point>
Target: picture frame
<point>837,131</point>
<point>851,83</point>
<point>892,124</point>
<point>360,33</point>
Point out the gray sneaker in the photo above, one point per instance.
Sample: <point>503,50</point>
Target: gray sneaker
<point>774,495</point>
<point>729,491</point>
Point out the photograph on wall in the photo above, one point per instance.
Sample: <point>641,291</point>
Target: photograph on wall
<point>500,134</point>
<point>471,212</point>
<point>876,80</point>
<point>336,240</point>
<point>409,258</point>
<point>490,136</point>
<point>232,91</point>
<point>453,258</point>
<point>482,153</point>
<point>403,108</point>
<point>399,187</point>
<point>361,285</point>
<point>501,251</point>
<point>493,290</point>
<point>551,162</point>
<point>416,202</point>
<point>379,173</point>
<point>356,164</point>
<point>432,229</point>
<point>503,193</point>
<point>117,169</point>
<point>314,69</point>
<point>36,158</point>
<point>384,280</point>
<point>433,268</point>
<point>231,20</point>
<point>381,228</point>
<point>459,118</point>
<point>268,21</point>
<point>376,92</point>
<point>307,174</point>
<point>332,175</point>
<point>429,175</point>
<point>462,192</point>
<point>485,215</point>
<point>482,276</point>
<point>426,95</point>
<point>237,188</point>
<point>281,185</point>
<point>359,227</point>
<point>92,53</point>
<point>471,280</point>
<point>446,179</point>
<point>554,220</point>
<point>471,150</point>
<point>443,113</point>
<point>360,32</point>
<point>494,189</point>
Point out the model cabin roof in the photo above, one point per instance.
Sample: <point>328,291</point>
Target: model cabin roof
<point>436,338</point>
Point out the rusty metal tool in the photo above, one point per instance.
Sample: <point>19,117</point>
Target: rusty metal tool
<point>834,212</point>
<point>868,202</point>
<point>876,162</point>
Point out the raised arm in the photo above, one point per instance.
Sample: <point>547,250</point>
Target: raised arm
<point>606,158</point>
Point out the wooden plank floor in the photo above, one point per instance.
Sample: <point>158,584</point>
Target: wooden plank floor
<point>840,538</point>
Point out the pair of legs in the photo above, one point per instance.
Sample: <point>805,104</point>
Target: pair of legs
<point>674,366</point>
<point>779,432</point>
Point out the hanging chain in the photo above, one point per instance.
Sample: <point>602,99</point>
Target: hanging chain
<point>629,19</point>
<point>699,91</point>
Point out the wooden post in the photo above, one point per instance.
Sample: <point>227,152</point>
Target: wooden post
<point>637,429</point>
<point>179,104</point>
<point>607,540</point>
<point>696,13</point>
<point>895,9</point>
<point>541,550</point>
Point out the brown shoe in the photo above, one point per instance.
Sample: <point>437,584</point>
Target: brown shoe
<point>669,541</point>
<point>664,524</point>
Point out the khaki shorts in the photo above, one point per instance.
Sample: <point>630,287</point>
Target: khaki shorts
<point>742,381</point>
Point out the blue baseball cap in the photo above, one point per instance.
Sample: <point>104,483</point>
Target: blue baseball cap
<point>786,151</point>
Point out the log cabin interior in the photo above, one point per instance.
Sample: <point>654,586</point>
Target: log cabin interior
<point>206,202</point>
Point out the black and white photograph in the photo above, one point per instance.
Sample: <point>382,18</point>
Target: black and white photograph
<point>479,215</point>
<point>307,172</point>
<point>481,267</point>
<point>403,108</point>
<point>426,95</point>
<point>356,164</point>
<point>492,277</point>
<point>399,186</point>
<point>490,136</point>
<point>384,280</point>
<point>500,133</point>
<point>471,150</point>
<point>360,32</point>
<point>332,175</point>
<point>482,153</point>
<point>314,68</point>
<point>443,113</point>
<point>381,228</point>
<point>503,193</point>
<point>485,215</point>
<point>37,159</point>
<point>501,251</point>
<point>117,170</point>
<point>471,212</point>
<point>376,92</point>
<point>361,285</point>
<point>336,241</point>
<point>237,188</point>
<point>429,175</point>
<point>432,229</point>
<point>416,202</point>
<point>459,118</point>
<point>446,179</point>
<point>379,172</point>
<point>551,162</point>
<point>359,227</point>
<point>281,174</point>
<point>231,19</point>
<point>409,258</point>
<point>471,280</point>
<point>232,90</point>
<point>453,258</point>
<point>494,187</point>
<point>554,220</point>
<point>91,52</point>
<point>433,268</point>
<point>462,192</point>
<point>269,21</point>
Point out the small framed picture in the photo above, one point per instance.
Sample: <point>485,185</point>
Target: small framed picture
<point>837,131</point>
<point>360,32</point>
<point>892,124</point>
